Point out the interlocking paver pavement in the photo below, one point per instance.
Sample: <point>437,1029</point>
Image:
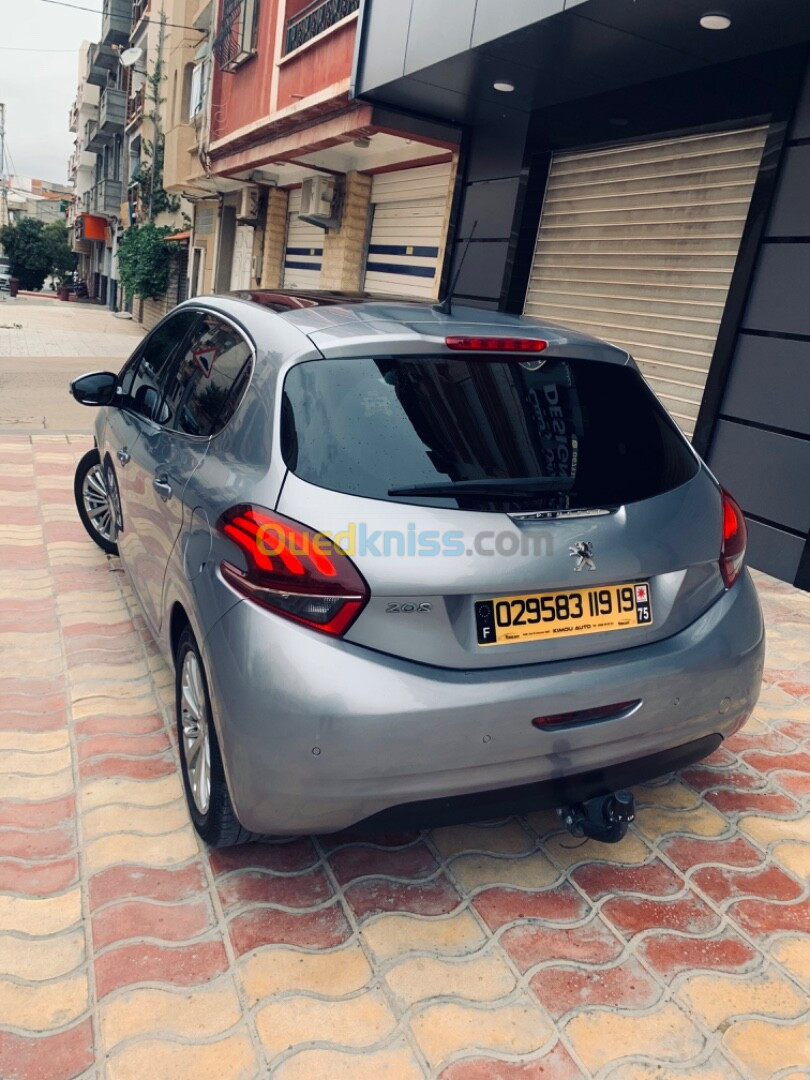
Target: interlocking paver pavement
<point>500,950</point>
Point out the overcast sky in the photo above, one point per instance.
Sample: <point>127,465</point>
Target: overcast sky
<point>38,86</point>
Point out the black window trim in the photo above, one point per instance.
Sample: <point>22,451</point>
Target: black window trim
<point>138,353</point>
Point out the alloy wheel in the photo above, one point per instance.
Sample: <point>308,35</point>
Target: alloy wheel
<point>196,735</point>
<point>97,503</point>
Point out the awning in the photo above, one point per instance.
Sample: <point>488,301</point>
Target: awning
<point>180,235</point>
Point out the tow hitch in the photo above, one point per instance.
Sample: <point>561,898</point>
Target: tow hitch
<point>604,818</point>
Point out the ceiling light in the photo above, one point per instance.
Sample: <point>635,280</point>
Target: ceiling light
<point>714,20</point>
<point>503,86</point>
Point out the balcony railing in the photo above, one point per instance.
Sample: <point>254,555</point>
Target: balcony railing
<point>103,60</point>
<point>112,112</point>
<point>314,19</point>
<point>106,197</point>
<point>139,9</point>
<point>115,18</point>
<point>135,105</point>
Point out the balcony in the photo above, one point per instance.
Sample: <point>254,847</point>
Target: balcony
<point>115,22</point>
<point>106,198</point>
<point>112,113</point>
<point>103,60</point>
<point>314,19</point>
<point>94,141</point>
<point>73,118</point>
<point>139,9</point>
<point>136,105</point>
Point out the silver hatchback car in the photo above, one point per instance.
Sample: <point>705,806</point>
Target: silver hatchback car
<point>417,564</point>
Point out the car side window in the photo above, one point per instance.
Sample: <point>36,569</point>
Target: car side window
<point>142,384</point>
<point>206,385</point>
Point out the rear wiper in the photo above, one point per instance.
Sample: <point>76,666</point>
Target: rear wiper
<point>518,485</point>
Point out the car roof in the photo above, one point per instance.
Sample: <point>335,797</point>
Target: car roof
<point>338,321</point>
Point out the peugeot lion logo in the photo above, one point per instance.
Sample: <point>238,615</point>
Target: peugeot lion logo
<point>583,552</point>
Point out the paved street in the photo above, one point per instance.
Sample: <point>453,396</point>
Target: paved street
<point>500,950</point>
<point>45,343</point>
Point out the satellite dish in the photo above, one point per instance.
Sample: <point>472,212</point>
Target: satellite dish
<point>130,57</point>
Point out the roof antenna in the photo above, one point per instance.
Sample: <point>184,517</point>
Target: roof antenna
<point>445,308</point>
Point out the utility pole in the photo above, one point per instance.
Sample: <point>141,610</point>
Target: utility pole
<point>3,191</point>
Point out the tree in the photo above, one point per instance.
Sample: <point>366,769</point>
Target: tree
<point>29,252</point>
<point>63,259</point>
<point>144,259</point>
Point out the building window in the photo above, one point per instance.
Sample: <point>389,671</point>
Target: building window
<point>314,19</point>
<point>238,33</point>
<point>197,86</point>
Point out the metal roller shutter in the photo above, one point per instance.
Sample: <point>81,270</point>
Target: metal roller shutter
<point>407,230</point>
<point>304,251</point>
<point>637,245</point>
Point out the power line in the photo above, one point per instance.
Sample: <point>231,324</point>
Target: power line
<point>95,11</point>
<point>12,48</point>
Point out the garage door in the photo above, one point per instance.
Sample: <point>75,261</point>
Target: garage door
<point>407,231</point>
<point>304,251</point>
<point>637,245</point>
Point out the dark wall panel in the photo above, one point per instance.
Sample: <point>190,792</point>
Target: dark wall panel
<point>483,271</point>
<point>490,203</point>
<point>770,383</point>
<point>779,293</point>
<point>776,552</point>
<point>437,31</point>
<point>766,472</point>
<point>791,211</point>
<point>494,18</point>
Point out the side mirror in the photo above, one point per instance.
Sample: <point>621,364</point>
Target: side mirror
<point>97,388</point>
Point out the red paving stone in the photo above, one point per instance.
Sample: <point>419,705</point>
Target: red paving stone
<point>374,895</point>
<point>305,890</point>
<point>557,1064</point>
<point>626,986</point>
<point>267,926</point>
<point>500,905</point>
<point>146,882</point>
<point>144,919</point>
<point>591,943</point>
<point>63,1056</point>
<point>688,914</point>
<point>670,954</point>
<point>175,965</point>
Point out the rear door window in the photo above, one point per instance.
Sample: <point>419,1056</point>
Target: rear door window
<point>207,382</point>
<point>578,433</point>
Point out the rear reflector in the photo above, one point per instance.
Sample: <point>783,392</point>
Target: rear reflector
<point>735,538</point>
<point>496,344</point>
<point>586,716</point>
<point>292,570</point>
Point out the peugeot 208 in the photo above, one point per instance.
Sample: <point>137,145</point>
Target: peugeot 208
<point>402,558</point>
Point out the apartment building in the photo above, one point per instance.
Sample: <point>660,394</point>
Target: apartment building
<point>294,183</point>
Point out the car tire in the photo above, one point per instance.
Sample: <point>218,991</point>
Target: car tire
<point>204,780</point>
<point>93,503</point>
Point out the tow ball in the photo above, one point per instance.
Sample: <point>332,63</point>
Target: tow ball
<point>604,818</point>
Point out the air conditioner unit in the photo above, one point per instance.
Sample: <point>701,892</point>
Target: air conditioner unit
<point>248,213</point>
<point>320,202</point>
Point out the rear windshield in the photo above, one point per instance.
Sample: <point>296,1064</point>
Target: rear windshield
<point>592,432</point>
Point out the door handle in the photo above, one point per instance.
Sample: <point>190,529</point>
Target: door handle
<point>162,487</point>
<point>123,455</point>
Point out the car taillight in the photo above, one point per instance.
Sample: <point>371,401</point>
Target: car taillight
<point>735,536</point>
<point>293,570</point>
<point>496,344</point>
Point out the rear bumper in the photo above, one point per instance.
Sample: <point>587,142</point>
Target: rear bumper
<point>319,734</point>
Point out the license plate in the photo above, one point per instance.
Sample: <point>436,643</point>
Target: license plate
<point>538,616</point>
